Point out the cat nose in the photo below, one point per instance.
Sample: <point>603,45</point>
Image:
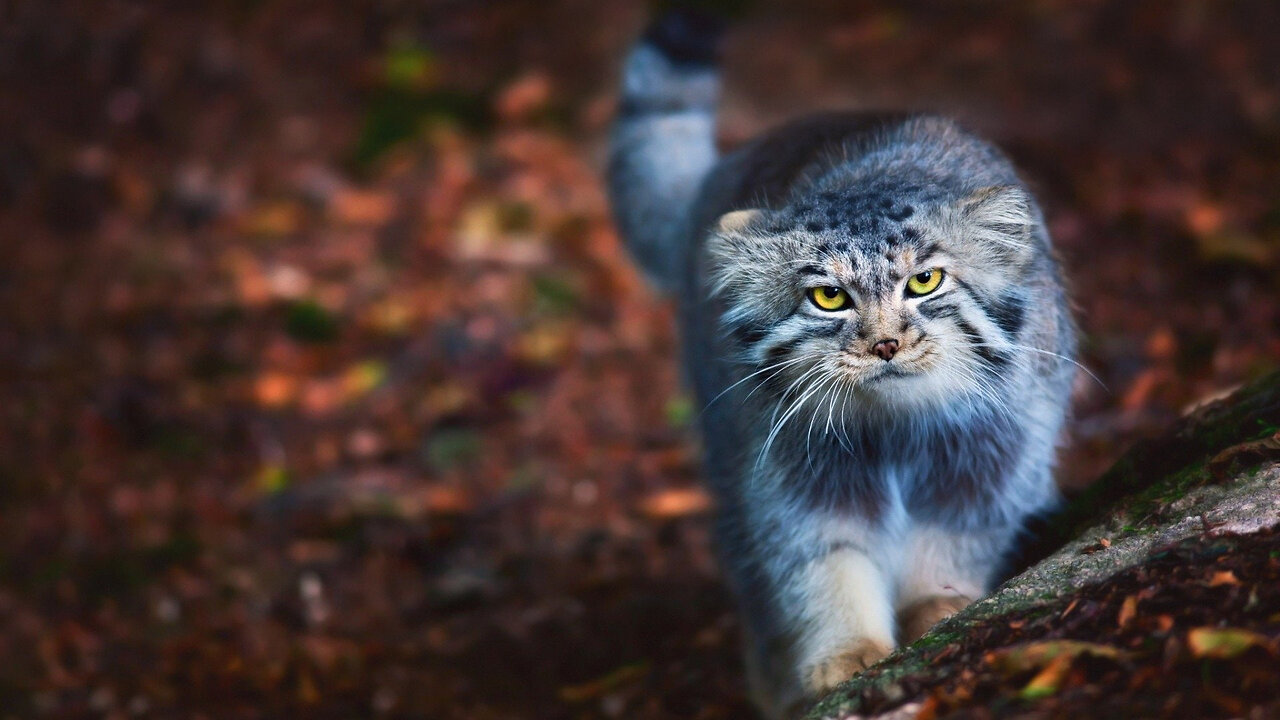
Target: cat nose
<point>885,349</point>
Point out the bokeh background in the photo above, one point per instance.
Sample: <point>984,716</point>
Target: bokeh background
<point>329,391</point>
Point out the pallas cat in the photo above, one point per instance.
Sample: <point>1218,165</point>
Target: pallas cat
<point>881,348</point>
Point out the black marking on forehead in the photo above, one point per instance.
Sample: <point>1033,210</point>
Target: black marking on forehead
<point>910,234</point>
<point>860,210</point>
<point>832,248</point>
<point>811,270</point>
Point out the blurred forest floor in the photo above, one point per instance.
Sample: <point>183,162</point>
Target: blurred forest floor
<point>330,392</point>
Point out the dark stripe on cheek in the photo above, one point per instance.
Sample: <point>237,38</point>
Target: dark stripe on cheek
<point>748,334</point>
<point>827,328</point>
<point>935,308</point>
<point>1010,313</point>
<point>991,356</point>
<point>777,353</point>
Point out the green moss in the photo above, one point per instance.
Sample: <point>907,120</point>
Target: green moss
<point>1151,504</point>
<point>936,639</point>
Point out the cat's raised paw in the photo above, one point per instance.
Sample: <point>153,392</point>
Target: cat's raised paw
<point>916,618</point>
<point>825,675</point>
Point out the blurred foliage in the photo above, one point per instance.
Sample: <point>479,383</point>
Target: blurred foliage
<point>408,99</point>
<point>309,321</point>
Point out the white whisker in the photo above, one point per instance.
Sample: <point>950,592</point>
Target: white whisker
<point>782,364</point>
<point>1028,348</point>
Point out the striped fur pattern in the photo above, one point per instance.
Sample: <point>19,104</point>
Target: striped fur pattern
<point>859,498</point>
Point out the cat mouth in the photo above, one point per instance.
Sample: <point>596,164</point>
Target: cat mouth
<point>884,372</point>
<point>894,370</point>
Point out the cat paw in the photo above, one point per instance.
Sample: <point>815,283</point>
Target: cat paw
<point>918,617</point>
<point>825,675</point>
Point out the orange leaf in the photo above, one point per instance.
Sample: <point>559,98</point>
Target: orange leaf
<point>1225,577</point>
<point>676,502</point>
<point>1127,611</point>
<point>275,389</point>
<point>362,207</point>
<point>1047,681</point>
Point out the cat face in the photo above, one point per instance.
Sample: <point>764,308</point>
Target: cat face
<point>879,295</point>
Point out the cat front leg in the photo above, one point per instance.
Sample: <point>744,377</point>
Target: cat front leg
<point>944,571</point>
<point>846,618</point>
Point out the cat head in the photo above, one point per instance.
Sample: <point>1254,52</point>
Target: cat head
<point>894,292</point>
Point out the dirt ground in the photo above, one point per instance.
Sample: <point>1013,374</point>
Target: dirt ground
<point>330,392</point>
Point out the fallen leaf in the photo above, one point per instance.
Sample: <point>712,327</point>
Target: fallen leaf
<point>445,500</point>
<point>1235,246</point>
<point>676,502</point>
<point>275,389</point>
<point>1127,611</point>
<point>1224,577</point>
<point>545,344</point>
<point>1204,217</point>
<point>1048,680</point>
<point>1035,655</point>
<point>308,693</point>
<point>1243,455</point>
<point>272,479</point>
<point>1140,390</point>
<point>1070,607</point>
<point>1224,643</point>
<point>273,220</point>
<point>364,377</point>
<point>624,675</point>
<point>524,97</point>
<point>362,207</point>
<point>288,282</point>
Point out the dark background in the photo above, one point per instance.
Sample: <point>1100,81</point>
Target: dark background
<point>328,389</point>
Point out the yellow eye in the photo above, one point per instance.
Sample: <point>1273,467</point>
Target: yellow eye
<point>829,298</point>
<point>923,283</point>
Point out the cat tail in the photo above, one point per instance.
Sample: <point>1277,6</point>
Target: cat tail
<point>663,141</point>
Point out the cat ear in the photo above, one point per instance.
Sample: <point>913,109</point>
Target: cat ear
<point>1002,217</point>
<point>732,248</point>
<point>732,234</point>
<point>738,220</point>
